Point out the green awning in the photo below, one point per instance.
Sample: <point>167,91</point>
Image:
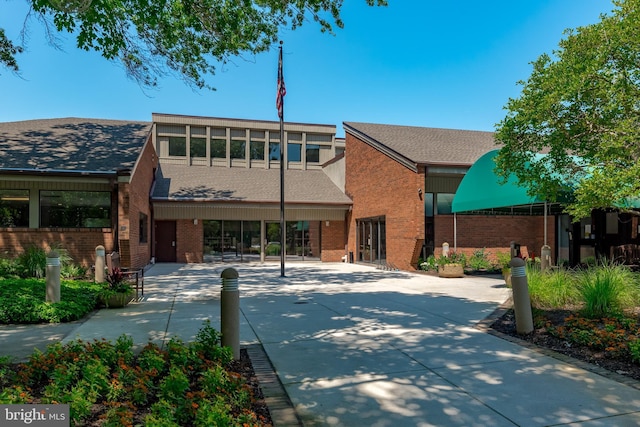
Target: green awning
<point>481,189</point>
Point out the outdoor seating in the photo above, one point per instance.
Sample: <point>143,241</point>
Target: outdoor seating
<point>134,275</point>
<point>626,254</point>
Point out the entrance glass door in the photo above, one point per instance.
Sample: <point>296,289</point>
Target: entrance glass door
<point>372,240</point>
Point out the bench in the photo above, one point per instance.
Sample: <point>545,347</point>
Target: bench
<point>134,275</point>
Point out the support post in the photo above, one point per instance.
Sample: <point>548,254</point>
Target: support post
<point>545,258</point>
<point>53,277</point>
<point>100,264</point>
<point>521,300</point>
<point>230,311</point>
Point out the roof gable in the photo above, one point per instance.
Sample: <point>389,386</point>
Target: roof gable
<point>412,145</point>
<point>71,145</point>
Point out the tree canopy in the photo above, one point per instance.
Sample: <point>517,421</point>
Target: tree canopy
<point>581,107</point>
<point>188,37</point>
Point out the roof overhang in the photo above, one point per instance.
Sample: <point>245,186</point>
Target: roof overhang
<point>405,161</point>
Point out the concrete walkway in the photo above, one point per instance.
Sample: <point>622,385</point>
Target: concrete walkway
<point>356,346</point>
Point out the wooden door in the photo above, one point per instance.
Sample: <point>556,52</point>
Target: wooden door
<point>165,243</point>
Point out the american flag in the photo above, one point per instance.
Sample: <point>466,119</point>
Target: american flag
<point>282,91</point>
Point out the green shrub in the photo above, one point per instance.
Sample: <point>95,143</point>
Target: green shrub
<point>24,301</point>
<point>9,268</point>
<point>429,264</point>
<point>99,374</point>
<point>479,260</point>
<point>634,349</point>
<point>607,289</point>
<point>551,289</point>
<point>452,258</point>
<point>503,259</point>
<point>33,262</point>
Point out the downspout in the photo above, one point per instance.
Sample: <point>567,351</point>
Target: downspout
<point>115,214</point>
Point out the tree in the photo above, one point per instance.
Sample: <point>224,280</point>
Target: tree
<point>581,108</point>
<point>188,37</point>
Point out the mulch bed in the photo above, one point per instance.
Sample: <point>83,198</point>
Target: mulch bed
<point>539,337</point>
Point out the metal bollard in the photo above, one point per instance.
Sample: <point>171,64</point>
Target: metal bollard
<point>545,258</point>
<point>100,263</point>
<point>53,277</point>
<point>521,300</point>
<point>230,311</point>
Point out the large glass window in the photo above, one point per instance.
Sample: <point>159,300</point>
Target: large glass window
<point>177,146</point>
<point>444,202</point>
<point>198,147</point>
<point>274,151</point>
<point>238,149</point>
<point>257,150</point>
<point>294,152</point>
<point>14,208</point>
<point>219,148</point>
<point>313,153</point>
<point>76,209</point>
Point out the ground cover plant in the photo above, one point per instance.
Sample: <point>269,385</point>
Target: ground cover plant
<point>591,314</point>
<point>107,384</point>
<point>23,301</point>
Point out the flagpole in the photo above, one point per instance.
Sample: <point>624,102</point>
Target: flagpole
<point>280,104</point>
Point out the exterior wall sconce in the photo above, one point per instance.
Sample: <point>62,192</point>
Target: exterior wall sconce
<point>419,191</point>
<point>327,223</point>
<point>195,221</point>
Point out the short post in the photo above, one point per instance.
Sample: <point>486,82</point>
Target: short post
<point>230,311</point>
<point>521,300</point>
<point>100,263</point>
<point>545,258</point>
<point>52,275</point>
<point>445,249</point>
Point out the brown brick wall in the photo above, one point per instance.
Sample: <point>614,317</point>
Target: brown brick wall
<point>189,241</point>
<point>333,238</point>
<point>380,186</point>
<point>495,233</point>
<point>80,243</point>
<point>133,199</point>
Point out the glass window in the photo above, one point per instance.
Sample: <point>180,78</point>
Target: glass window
<point>294,152</point>
<point>14,208</point>
<point>428,204</point>
<point>274,151</point>
<point>219,148</point>
<point>76,209</point>
<point>144,226</point>
<point>313,153</point>
<point>238,149</point>
<point>177,146</point>
<point>257,150</point>
<point>198,147</point>
<point>444,201</point>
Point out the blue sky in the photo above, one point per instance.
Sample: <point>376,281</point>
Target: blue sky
<point>447,64</point>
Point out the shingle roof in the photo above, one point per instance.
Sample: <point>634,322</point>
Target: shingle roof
<point>202,183</point>
<point>421,145</point>
<point>72,144</point>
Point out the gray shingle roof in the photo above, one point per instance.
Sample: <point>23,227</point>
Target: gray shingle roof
<point>182,182</point>
<point>421,145</point>
<point>72,144</point>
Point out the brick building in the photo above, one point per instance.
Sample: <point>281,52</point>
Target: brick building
<point>199,189</point>
<point>76,183</point>
<point>402,181</point>
<point>217,190</point>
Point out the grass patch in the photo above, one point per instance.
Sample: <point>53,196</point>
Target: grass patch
<point>23,301</point>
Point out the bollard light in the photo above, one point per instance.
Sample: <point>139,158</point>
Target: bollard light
<point>230,311</point>
<point>52,275</point>
<point>100,264</point>
<point>521,300</point>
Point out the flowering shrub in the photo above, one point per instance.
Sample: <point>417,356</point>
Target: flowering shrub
<point>105,382</point>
